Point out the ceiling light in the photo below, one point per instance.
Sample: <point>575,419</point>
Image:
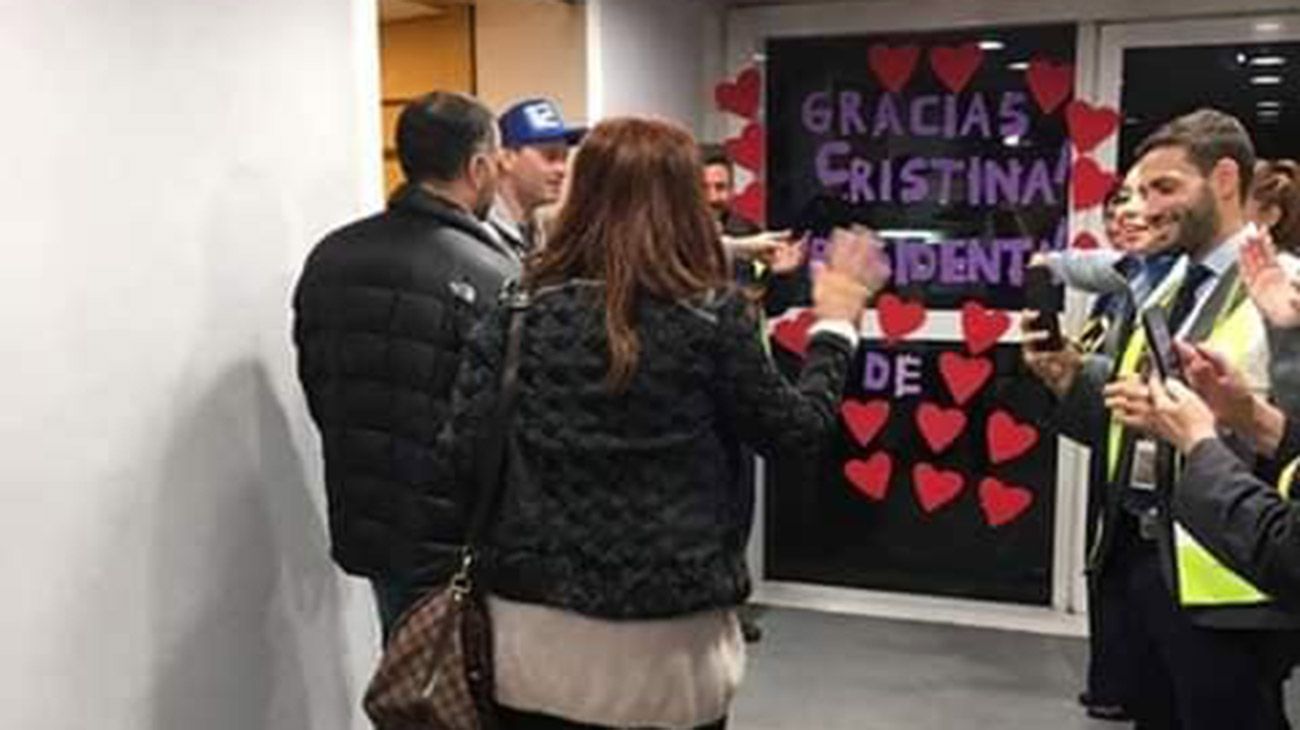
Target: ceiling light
<point>1018,66</point>
<point>1241,58</point>
<point>1268,26</point>
<point>1266,80</point>
<point>1267,61</point>
<point>1269,104</point>
<point>992,45</point>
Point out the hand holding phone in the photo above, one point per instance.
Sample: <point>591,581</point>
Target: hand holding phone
<point>1043,297</point>
<point>1160,343</point>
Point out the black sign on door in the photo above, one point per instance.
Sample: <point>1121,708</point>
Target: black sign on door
<point>954,146</point>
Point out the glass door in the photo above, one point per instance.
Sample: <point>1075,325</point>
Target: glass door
<point>1247,66</point>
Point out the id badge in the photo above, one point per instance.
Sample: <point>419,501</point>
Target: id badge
<point>1144,466</point>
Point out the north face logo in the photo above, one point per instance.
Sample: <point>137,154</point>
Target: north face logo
<point>464,291</point>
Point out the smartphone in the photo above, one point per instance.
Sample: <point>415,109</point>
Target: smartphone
<point>1044,296</point>
<point>1160,343</point>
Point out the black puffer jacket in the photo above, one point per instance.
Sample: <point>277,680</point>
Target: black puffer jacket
<point>626,505</point>
<point>382,311</point>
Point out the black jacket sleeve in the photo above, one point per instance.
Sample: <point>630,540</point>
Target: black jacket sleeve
<point>1081,415</point>
<point>1269,468</point>
<point>1289,449</point>
<point>766,411</point>
<point>472,401</point>
<point>1242,520</point>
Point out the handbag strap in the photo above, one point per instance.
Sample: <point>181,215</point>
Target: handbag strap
<point>490,460</point>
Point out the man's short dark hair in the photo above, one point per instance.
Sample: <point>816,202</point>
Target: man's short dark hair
<point>1208,135</point>
<point>438,133</point>
<point>715,154</point>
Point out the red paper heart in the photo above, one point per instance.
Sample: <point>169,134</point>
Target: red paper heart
<point>747,150</point>
<point>1050,83</point>
<point>751,204</point>
<point>1007,439</point>
<point>894,65</point>
<point>1085,241</point>
<point>935,488</point>
<point>956,65</point>
<point>1089,125</point>
<point>1091,183</point>
<point>940,427</point>
<point>865,419</point>
<point>792,334</point>
<point>982,327</point>
<point>899,318</point>
<point>870,477</point>
<point>741,97</point>
<point>965,376</point>
<point>1003,503</point>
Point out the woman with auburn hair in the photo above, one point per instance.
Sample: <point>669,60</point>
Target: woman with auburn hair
<point>616,557</point>
<point>1274,203</point>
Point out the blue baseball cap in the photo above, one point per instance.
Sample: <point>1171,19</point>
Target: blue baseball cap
<point>536,121</point>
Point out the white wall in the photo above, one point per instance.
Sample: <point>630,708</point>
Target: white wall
<point>653,57</point>
<point>166,167</point>
<point>529,48</point>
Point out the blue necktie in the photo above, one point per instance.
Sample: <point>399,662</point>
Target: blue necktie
<point>1185,298</point>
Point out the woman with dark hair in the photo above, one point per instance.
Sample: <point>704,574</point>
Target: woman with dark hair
<point>1274,206</point>
<point>615,561</point>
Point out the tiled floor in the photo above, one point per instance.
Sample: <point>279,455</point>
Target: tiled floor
<point>816,671</point>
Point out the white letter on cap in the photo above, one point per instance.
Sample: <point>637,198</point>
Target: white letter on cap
<point>542,116</point>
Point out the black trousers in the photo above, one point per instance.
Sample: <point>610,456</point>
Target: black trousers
<point>1188,677</point>
<point>516,720</point>
<point>1110,640</point>
<point>1111,667</point>
<point>392,597</point>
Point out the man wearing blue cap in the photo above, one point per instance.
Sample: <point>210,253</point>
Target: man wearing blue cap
<point>534,160</point>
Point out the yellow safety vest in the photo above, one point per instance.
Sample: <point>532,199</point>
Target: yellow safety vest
<point>1202,581</point>
<point>1206,582</point>
<point>1093,335</point>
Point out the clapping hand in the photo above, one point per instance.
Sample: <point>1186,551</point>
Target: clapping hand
<point>1227,394</point>
<point>1223,387</point>
<point>854,270</point>
<point>1275,293</point>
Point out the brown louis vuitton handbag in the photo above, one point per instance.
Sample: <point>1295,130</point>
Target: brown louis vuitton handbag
<point>436,671</point>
